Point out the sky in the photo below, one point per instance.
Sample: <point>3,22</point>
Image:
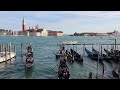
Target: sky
<point>66,21</point>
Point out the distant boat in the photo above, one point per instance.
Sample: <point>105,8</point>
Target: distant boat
<point>70,42</point>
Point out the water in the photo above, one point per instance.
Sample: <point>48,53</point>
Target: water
<point>44,49</point>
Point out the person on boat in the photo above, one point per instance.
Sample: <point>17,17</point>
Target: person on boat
<point>29,48</point>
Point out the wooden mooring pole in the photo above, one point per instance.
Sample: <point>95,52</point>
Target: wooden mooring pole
<point>84,49</point>
<point>98,63</point>
<point>76,47</point>
<point>92,47</point>
<point>117,47</point>
<point>7,47</point>
<point>101,50</point>
<point>115,44</point>
<point>14,49</point>
<point>107,47</point>
<point>103,73</point>
<point>0,47</point>
<point>5,55</point>
<point>10,49</point>
<point>73,52</point>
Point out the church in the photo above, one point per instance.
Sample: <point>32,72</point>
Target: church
<point>33,31</point>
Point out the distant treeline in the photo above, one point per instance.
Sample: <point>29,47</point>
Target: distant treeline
<point>3,30</point>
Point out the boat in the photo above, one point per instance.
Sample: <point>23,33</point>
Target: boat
<point>93,55</point>
<point>114,54</point>
<point>70,42</point>
<point>116,72</point>
<point>63,70</point>
<point>103,56</point>
<point>108,52</point>
<point>29,61</point>
<point>77,57</point>
<point>29,58</point>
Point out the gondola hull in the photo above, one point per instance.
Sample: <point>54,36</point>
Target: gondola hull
<point>116,72</point>
<point>77,57</point>
<point>93,56</point>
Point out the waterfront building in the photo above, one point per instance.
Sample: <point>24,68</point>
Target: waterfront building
<point>55,33</point>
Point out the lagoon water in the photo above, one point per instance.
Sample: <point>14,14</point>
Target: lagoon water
<point>44,49</point>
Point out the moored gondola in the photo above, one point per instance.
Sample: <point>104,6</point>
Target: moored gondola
<point>93,55</point>
<point>63,71</point>
<point>116,72</point>
<point>103,56</point>
<point>77,57</point>
<point>114,54</point>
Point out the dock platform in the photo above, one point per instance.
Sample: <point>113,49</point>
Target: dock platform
<point>8,56</point>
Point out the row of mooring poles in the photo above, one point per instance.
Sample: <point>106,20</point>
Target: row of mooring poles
<point>73,53</point>
<point>97,62</point>
<point>84,49</point>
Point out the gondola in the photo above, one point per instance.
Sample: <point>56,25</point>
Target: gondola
<point>93,55</point>
<point>63,71</point>
<point>29,58</point>
<point>116,72</point>
<point>107,52</point>
<point>103,56</point>
<point>115,55</point>
<point>29,61</point>
<point>77,57</point>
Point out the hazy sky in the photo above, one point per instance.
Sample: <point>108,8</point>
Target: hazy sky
<point>66,21</point>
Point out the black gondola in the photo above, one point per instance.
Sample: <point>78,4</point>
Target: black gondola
<point>116,72</point>
<point>114,54</point>
<point>29,57</point>
<point>63,72</point>
<point>103,56</point>
<point>77,57</point>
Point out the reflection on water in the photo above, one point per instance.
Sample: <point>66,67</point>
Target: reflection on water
<point>28,72</point>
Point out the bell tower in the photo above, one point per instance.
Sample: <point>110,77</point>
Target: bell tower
<point>23,25</point>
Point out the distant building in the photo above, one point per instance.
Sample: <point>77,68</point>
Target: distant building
<point>114,33</point>
<point>3,33</point>
<point>55,33</point>
<point>23,25</point>
<point>37,31</point>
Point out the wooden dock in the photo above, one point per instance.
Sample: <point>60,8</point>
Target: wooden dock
<point>4,58</point>
<point>7,52</point>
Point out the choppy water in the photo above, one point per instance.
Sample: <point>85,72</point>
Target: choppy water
<point>44,49</point>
